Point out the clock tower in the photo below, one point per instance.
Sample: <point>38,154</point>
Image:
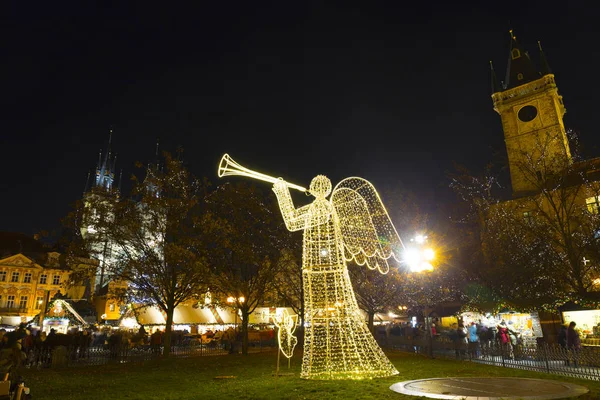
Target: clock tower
<point>532,113</point>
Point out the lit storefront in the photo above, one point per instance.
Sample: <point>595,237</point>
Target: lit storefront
<point>527,325</point>
<point>588,325</point>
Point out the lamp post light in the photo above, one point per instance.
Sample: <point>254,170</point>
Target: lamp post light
<point>418,257</point>
<point>233,302</point>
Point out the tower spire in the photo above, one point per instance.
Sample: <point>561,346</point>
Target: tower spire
<point>520,68</point>
<point>545,67</point>
<point>87,183</point>
<point>120,179</point>
<point>495,85</point>
<point>105,174</point>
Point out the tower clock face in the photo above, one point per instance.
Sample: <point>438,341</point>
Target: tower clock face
<point>527,113</point>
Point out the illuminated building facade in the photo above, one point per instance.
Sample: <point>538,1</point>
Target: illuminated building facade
<point>555,195</point>
<point>102,187</point>
<point>31,274</point>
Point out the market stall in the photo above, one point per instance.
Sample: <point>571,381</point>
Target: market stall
<point>526,325</point>
<point>588,325</point>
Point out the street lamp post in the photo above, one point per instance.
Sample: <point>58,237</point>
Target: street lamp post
<point>234,303</point>
<point>418,257</point>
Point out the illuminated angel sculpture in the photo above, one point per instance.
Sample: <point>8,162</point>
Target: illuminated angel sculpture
<point>352,225</point>
<point>286,325</point>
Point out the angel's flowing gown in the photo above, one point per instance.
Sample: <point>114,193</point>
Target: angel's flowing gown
<point>338,343</point>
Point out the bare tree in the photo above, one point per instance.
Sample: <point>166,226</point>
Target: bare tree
<point>155,238</point>
<point>541,248</point>
<point>245,238</point>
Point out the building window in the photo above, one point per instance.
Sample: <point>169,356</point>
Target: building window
<point>56,280</point>
<point>38,302</point>
<point>593,204</point>
<point>10,301</point>
<point>2,276</point>
<point>23,302</point>
<point>528,216</point>
<point>27,278</point>
<point>15,277</point>
<point>111,307</point>
<point>520,76</point>
<point>515,53</point>
<point>43,279</point>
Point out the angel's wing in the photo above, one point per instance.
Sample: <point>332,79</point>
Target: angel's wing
<point>367,232</point>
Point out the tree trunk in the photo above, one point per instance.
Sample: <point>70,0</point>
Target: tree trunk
<point>370,323</point>
<point>167,337</point>
<point>244,331</point>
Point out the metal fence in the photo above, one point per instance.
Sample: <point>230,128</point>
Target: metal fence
<point>541,357</point>
<point>66,356</point>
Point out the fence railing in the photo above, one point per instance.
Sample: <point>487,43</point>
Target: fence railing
<point>70,355</point>
<point>581,363</point>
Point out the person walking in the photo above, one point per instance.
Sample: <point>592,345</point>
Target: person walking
<point>505,341</point>
<point>573,342</point>
<point>473,341</point>
<point>562,342</point>
<point>460,341</point>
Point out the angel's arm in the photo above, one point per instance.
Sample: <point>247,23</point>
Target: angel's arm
<point>295,218</point>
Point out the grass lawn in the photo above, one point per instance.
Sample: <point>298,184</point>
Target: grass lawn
<point>194,378</point>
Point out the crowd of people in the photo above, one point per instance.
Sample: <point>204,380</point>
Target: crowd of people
<point>569,341</point>
<point>475,339</point>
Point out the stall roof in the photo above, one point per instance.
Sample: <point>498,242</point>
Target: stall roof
<point>185,315</point>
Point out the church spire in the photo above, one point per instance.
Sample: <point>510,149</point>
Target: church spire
<point>120,180</point>
<point>87,183</point>
<point>495,84</point>
<point>105,174</point>
<point>543,61</point>
<point>520,68</point>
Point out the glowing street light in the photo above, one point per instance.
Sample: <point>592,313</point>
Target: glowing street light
<point>232,302</point>
<point>417,257</point>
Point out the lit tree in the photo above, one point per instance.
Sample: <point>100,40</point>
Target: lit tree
<point>533,249</point>
<point>156,239</point>
<point>245,238</point>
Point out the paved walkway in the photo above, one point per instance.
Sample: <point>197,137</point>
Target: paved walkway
<point>478,388</point>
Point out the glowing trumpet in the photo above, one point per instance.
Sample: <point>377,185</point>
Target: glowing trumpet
<point>228,166</point>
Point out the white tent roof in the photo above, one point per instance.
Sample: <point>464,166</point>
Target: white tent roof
<point>185,315</point>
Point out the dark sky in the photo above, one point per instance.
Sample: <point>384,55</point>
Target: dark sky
<point>383,90</point>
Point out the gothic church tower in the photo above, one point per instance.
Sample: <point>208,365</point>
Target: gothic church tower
<point>532,119</point>
<point>103,188</point>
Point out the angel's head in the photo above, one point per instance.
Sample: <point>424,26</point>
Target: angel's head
<point>320,186</point>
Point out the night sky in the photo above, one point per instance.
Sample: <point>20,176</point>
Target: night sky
<point>393,93</point>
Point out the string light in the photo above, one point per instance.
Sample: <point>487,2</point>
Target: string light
<point>286,325</point>
<point>353,225</point>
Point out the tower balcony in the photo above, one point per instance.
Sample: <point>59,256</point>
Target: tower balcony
<point>546,82</point>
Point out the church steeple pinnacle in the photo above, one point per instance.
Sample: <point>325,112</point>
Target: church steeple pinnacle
<point>495,84</point>
<point>520,68</point>
<point>105,172</point>
<point>543,61</point>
